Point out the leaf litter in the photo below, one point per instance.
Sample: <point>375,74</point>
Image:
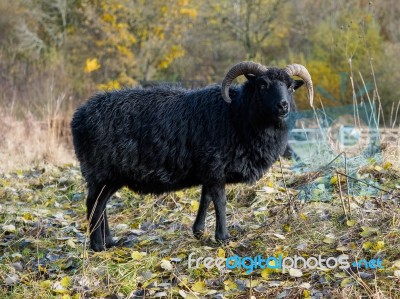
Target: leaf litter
<point>44,245</point>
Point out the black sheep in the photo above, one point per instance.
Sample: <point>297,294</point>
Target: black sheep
<point>167,138</point>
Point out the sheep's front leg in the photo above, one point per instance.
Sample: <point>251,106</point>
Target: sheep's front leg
<point>199,223</point>
<point>219,200</point>
<point>217,195</point>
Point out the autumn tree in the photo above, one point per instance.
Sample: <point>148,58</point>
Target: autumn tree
<point>260,26</point>
<point>133,41</point>
<point>79,46</point>
<point>229,31</point>
<point>343,43</point>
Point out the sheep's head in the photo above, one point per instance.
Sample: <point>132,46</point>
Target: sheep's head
<point>273,88</point>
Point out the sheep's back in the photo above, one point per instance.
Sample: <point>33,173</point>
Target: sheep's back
<point>150,139</point>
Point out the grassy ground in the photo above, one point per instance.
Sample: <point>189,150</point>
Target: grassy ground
<point>44,252</point>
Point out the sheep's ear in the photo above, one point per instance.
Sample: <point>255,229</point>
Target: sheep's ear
<point>251,78</point>
<point>298,83</point>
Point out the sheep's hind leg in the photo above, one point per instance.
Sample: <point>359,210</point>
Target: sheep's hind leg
<point>106,232</point>
<point>199,223</point>
<point>100,236</point>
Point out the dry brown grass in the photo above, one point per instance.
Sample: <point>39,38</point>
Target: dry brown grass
<point>27,143</point>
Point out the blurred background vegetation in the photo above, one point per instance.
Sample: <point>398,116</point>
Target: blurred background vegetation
<point>71,48</point>
<point>55,53</point>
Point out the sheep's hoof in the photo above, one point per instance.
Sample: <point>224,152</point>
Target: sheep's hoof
<point>223,239</point>
<point>97,246</point>
<point>198,233</point>
<point>110,243</point>
<point>100,246</point>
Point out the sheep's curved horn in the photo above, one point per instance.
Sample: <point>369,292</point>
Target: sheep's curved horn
<point>242,68</point>
<point>302,72</point>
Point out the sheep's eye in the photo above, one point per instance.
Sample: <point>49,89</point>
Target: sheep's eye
<point>263,87</point>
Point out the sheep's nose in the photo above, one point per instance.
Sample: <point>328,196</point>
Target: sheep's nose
<point>283,106</point>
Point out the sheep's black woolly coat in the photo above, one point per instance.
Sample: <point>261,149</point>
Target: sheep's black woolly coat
<point>168,138</point>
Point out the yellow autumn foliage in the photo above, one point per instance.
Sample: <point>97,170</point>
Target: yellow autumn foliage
<point>92,64</point>
<point>110,85</point>
<point>189,11</point>
<point>175,52</point>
